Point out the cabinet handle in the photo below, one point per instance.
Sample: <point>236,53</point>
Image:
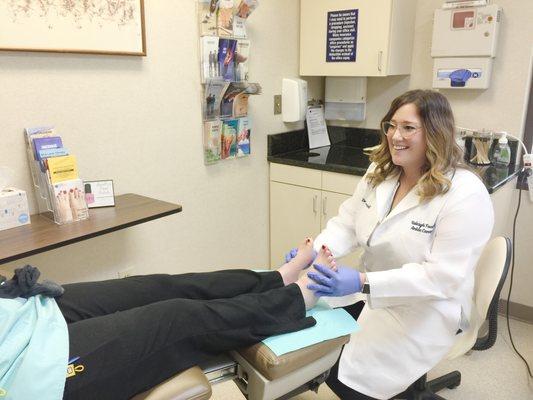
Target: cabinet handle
<point>315,199</point>
<point>324,206</point>
<point>380,59</point>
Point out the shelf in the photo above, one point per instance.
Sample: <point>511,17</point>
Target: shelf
<point>43,234</point>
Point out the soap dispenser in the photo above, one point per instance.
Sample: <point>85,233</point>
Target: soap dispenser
<point>502,153</point>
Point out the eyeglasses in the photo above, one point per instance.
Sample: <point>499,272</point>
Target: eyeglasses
<point>406,131</point>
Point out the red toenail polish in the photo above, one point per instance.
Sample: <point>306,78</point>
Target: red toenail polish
<point>323,247</point>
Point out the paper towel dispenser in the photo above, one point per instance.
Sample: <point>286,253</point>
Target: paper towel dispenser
<point>294,100</point>
<point>345,98</point>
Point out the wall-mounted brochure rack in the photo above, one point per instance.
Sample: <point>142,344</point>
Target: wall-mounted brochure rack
<point>224,58</point>
<point>58,190</point>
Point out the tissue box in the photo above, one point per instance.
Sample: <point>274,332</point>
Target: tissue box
<point>13,208</point>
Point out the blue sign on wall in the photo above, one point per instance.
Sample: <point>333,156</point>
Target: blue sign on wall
<point>342,36</point>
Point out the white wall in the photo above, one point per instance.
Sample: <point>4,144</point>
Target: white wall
<point>138,121</point>
<point>500,107</point>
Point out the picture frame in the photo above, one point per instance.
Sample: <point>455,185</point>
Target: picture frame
<point>99,193</point>
<point>87,27</point>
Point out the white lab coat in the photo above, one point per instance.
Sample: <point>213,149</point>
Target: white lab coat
<point>420,260</point>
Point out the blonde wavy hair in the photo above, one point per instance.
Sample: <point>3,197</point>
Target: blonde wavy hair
<point>443,155</point>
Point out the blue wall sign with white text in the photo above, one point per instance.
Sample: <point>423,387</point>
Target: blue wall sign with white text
<point>342,36</point>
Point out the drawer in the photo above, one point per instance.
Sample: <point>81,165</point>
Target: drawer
<point>306,177</point>
<point>339,183</point>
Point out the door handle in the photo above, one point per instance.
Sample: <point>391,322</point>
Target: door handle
<point>315,203</point>
<point>324,206</point>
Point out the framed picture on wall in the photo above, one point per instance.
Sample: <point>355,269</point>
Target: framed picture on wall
<point>89,26</point>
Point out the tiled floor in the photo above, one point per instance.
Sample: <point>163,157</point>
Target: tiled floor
<point>494,374</point>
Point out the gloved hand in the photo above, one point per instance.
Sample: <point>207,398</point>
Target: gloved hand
<point>342,282</point>
<point>292,253</point>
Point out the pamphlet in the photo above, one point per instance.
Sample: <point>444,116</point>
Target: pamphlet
<point>226,58</point>
<point>212,136</point>
<point>243,137</point>
<point>228,140</point>
<point>69,199</point>
<point>316,127</point>
<point>246,7</point>
<point>209,49</point>
<point>241,60</point>
<point>242,12</point>
<point>207,16</point>
<point>235,99</point>
<point>225,18</point>
<point>46,143</point>
<point>214,90</point>
<point>62,168</point>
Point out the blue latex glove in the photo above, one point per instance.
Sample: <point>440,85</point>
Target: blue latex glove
<point>330,283</point>
<point>291,254</point>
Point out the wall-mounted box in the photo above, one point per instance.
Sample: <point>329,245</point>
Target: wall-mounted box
<point>464,45</point>
<point>356,37</point>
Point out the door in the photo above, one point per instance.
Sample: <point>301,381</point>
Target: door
<point>294,215</point>
<point>330,208</point>
<point>372,37</point>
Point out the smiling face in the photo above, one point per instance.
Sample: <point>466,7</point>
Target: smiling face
<point>410,153</point>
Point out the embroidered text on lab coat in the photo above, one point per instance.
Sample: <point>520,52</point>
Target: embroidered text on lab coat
<point>422,227</point>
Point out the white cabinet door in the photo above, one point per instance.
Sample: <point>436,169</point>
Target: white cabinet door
<point>330,208</point>
<point>372,38</point>
<point>294,215</point>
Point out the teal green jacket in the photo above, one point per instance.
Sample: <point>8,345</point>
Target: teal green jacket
<point>33,349</point>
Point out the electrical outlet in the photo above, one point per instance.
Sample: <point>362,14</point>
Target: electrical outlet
<point>277,104</point>
<point>126,272</point>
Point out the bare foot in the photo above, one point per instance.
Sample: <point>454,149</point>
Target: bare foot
<point>77,204</point>
<point>291,270</point>
<point>64,212</point>
<point>325,258</point>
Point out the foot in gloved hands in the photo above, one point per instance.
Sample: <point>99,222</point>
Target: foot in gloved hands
<point>325,258</point>
<point>303,258</point>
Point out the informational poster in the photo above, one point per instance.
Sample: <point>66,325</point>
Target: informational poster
<point>342,36</point>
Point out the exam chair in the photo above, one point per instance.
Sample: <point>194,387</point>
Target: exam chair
<point>491,272</point>
<point>257,372</point>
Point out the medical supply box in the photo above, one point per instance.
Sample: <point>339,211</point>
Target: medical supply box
<point>13,208</point>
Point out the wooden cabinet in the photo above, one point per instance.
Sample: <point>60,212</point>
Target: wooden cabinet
<point>383,44</point>
<point>301,202</point>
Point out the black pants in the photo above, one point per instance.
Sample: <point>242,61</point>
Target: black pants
<point>134,333</point>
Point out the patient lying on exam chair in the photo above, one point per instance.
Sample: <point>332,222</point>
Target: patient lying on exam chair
<point>122,337</point>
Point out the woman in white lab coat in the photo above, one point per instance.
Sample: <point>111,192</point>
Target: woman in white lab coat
<point>422,221</point>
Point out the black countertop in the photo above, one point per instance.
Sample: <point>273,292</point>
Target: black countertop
<point>345,154</point>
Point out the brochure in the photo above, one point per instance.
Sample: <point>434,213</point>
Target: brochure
<point>214,90</point>
<point>46,143</point>
<point>62,168</point>
<point>209,49</point>
<point>212,136</point>
<point>241,60</point>
<point>225,18</point>
<point>246,7</point>
<point>228,140</point>
<point>226,58</point>
<point>235,99</point>
<point>207,16</point>
<point>243,137</point>
<point>242,12</point>
<point>69,201</point>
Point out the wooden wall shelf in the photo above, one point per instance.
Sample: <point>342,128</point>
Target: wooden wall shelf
<point>43,234</point>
